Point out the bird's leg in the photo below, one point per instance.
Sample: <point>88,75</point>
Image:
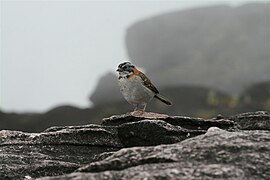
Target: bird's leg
<point>137,111</point>
<point>143,109</point>
<point>136,108</point>
<point>144,106</point>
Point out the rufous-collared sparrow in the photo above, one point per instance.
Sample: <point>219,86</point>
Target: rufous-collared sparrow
<point>136,88</point>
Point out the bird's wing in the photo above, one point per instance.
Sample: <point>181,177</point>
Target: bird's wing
<point>147,83</point>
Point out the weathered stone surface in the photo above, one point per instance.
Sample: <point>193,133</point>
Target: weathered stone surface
<point>136,147</point>
<point>55,151</point>
<point>218,154</point>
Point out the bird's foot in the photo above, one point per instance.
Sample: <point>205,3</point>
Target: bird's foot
<point>148,115</point>
<point>152,115</point>
<point>137,113</point>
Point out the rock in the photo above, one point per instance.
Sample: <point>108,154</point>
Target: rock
<point>153,132</point>
<point>214,130</point>
<point>93,135</point>
<point>139,131</point>
<point>217,155</point>
<point>125,147</point>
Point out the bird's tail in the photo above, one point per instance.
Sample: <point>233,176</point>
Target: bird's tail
<point>163,99</point>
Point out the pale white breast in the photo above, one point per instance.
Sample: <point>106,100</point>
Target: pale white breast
<point>134,92</point>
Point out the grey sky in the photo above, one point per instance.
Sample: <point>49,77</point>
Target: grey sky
<point>53,52</point>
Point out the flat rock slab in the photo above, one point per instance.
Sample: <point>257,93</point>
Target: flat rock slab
<point>182,121</point>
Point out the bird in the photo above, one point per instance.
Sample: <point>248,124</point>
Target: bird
<point>136,88</point>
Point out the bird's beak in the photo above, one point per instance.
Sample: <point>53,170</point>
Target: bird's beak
<point>118,70</point>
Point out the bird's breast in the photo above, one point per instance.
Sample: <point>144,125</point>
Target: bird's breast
<point>134,91</point>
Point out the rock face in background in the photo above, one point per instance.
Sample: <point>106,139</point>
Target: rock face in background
<point>187,101</point>
<point>126,147</point>
<point>257,96</point>
<point>222,48</point>
<point>108,82</point>
<point>36,122</point>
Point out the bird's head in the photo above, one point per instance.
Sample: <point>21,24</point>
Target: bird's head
<point>126,69</point>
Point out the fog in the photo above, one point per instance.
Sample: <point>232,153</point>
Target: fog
<point>53,53</point>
